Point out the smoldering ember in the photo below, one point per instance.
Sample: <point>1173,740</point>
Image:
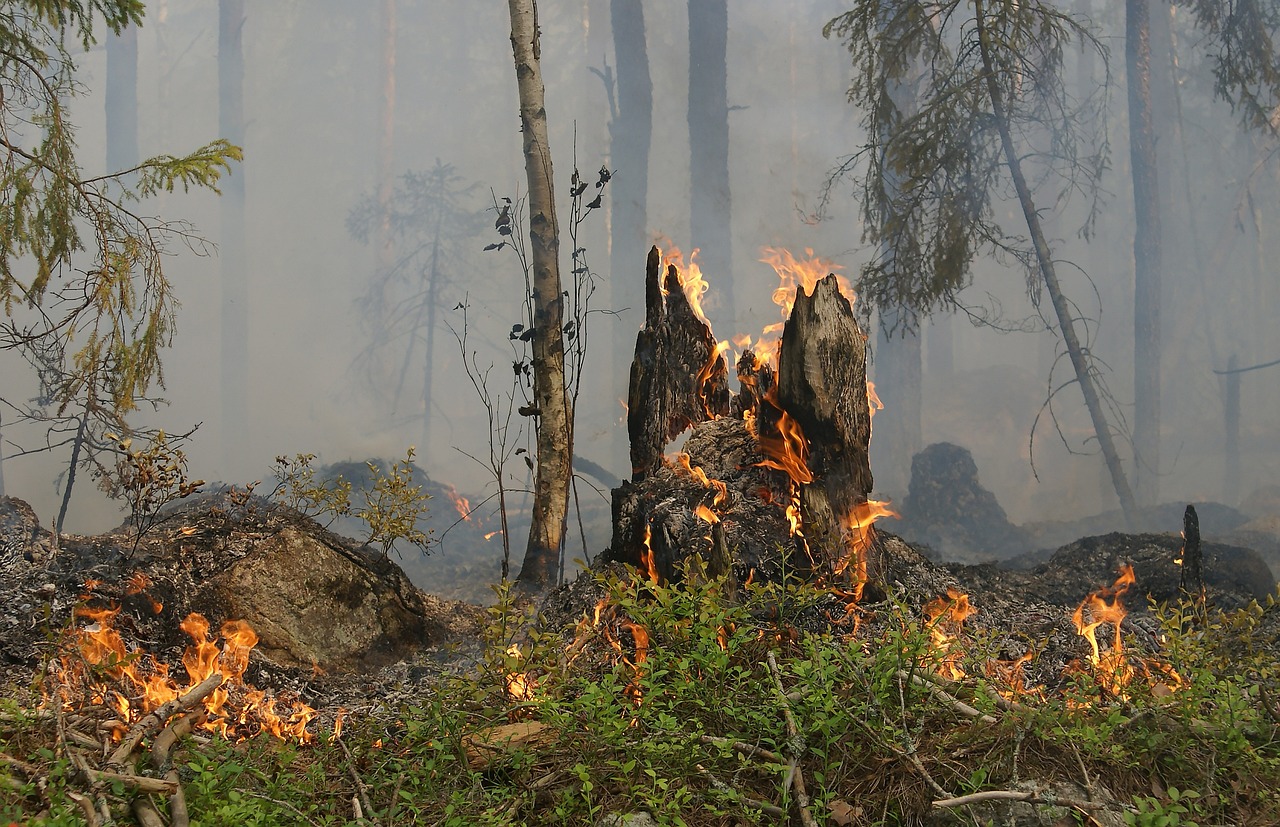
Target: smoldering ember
<point>106,641</point>
<point>836,559</point>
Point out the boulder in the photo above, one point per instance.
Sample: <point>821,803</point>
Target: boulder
<point>948,510</point>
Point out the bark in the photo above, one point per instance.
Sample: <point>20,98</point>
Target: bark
<point>709,150</point>
<point>1044,261</point>
<point>630,135</point>
<point>677,377</point>
<point>1146,253</point>
<point>551,404</point>
<point>822,384</point>
<point>231,252</point>
<point>122,99</point>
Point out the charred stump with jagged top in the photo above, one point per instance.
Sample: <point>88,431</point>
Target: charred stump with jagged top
<point>771,480</point>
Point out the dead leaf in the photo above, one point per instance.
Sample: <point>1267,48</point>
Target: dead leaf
<point>843,813</point>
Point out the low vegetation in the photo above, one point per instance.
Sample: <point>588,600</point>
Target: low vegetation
<point>677,702</point>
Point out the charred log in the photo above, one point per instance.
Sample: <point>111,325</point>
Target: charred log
<point>677,377</point>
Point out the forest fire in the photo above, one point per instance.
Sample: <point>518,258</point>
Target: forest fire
<point>102,669</point>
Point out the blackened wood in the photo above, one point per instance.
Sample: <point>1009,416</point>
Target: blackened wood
<point>677,378</point>
<point>1192,555</point>
<point>822,384</point>
<point>755,381</point>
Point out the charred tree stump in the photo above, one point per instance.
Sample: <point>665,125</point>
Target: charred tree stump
<point>677,378</point>
<point>1192,556</point>
<point>822,385</point>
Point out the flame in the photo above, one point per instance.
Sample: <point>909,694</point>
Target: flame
<point>691,280</point>
<point>460,503</point>
<point>491,534</point>
<point>520,684</point>
<point>789,451</point>
<point>640,635</point>
<point>873,400</point>
<point>1011,674</point>
<point>1111,668</point>
<point>943,617</point>
<point>792,273</point>
<point>235,709</point>
<point>722,491</point>
<point>646,556</point>
<point>858,535</point>
<point>706,514</point>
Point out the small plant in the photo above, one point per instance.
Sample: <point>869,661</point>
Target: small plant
<point>1153,812</point>
<point>148,479</point>
<point>297,487</point>
<point>393,505</point>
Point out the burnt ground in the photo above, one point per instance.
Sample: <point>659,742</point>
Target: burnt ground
<point>203,557</point>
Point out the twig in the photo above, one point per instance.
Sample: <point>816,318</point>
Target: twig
<point>795,745</point>
<point>910,755</point>
<point>763,806</point>
<point>1017,795</point>
<point>1006,704</point>
<point>29,770</point>
<point>284,804</point>
<point>153,721</point>
<point>361,789</point>
<point>745,748</point>
<point>947,698</point>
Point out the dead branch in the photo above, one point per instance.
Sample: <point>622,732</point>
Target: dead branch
<point>361,789</point>
<point>1016,795</point>
<point>153,721</point>
<point>795,745</point>
<point>764,807</point>
<point>140,783</point>
<point>744,748</point>
<point>947,698</point>
<point>163,744</point>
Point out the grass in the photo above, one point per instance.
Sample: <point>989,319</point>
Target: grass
<point>668,705</point>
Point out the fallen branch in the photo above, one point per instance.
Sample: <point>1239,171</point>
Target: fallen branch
<point>947,698</point>
<point>146,813</point>
<point>795,745</point>
<point>1006,704</point>
<point>163,744</point>
<point>763,806</point>
<point>744,748</point>
<point>140,783</point>
<point>361,789</point>
<point>157,717</point>
<point>1017,795</point>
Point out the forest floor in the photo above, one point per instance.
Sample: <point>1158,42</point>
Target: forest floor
<point>629,701</point>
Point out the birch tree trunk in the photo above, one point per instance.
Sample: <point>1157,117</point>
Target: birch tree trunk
<point>554,419</point>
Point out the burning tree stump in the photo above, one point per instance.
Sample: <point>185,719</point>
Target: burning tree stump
<point>822,385</point>
<point>777,475</point>
<point>678,376</point>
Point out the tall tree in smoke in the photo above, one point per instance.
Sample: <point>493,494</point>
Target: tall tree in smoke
<point>1146,253</point>
<point>551,404</point>
<point>235,278</point>
<point>709,225</point>
<point>990,104</point>
<point>630,133</point>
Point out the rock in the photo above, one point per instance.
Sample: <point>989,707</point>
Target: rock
<point>313,604</point>
<point>948,510</point>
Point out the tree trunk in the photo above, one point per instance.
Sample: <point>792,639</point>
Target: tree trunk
<point>231,252</point>
<point>1044,261</point>
<point>122,99</point>
<point>630,134</point>
<point>709,151</point>
<point>677,378</point>
<point>551,481</point>
<point>898,363</point>
<point>1146,254</point>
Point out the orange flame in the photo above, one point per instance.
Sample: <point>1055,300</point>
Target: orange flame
<point>788,452</point>
<point>1111,668</point>
<point>235,709</point>
<point>858,535</point>
<point>691,279</point>
<point>944,616</point>
<point>792,273</point>
<point>519,683</point>
<point>646,556</point>
<point>460,503</point>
